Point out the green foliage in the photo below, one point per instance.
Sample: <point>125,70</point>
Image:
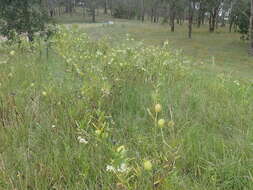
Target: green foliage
<point>241,14</point>
<point>243,21</point>
<point>26,16</point>
<point>85,118</point>
<point>123,9</point>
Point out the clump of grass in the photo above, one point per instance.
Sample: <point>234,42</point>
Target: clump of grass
<point>92,116</point>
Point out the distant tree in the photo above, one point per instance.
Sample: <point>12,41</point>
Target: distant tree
<point>172,10</point>
<point>213,8</point>
<point>190,16</point>
<point>26,16</point>
<point>201,7</point>
<point>251,29</point>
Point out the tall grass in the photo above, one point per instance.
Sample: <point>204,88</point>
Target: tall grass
<point>84,118</point>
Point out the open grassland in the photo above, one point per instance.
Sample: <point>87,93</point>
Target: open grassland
<point>92,115</point>
<point>216,52</point>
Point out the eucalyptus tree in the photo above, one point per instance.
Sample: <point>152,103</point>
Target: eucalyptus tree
<point>176,11</point>
<point>201,12</point>
<point>92,5</point>
<point>213,8</point>
<point>191,8</point>
<point>251,29</point>
<point>26,16</point>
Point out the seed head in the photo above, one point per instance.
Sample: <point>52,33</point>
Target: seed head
<point>44,93</point>
<point>158,108</point>
<point>171,123</point>
<point>147,165</point>
<point>12,53</point>
<point>161,123</point>
<point>98,132</point>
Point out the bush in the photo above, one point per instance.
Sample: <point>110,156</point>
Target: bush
<point>22,17</point>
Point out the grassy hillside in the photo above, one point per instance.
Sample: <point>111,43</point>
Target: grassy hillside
<point>91,115</point>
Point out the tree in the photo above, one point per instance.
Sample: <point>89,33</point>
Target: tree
<point>172,5</point>
<point>26,16</point>
<point>201,12</point>
<point>190,19</point>
<point>213,7</point>
<point>251,29</point>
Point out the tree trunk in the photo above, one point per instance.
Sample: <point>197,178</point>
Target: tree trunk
<point>93,12</point>
<point>105,4</point>
<point>172,16</point>
<point>251,29</point>
<point>68,8</point>
<point>191,5</point>
<point>199,15</point>
<point>152,15</point>
<point>142,11</point>
<point>172,22</point>
<point>212,22</point>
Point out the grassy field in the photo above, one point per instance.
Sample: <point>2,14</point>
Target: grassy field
<point>224,51</point>
<point>119,114</point>
<point>214,53</point>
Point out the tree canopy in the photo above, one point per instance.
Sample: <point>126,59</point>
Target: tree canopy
<point>26,16</point>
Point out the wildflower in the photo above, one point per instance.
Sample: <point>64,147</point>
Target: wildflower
<point>53,126</point>
<point>166,43</point>
<point>158,108</point>
<point>105,91</point>
<point>110,168</point>
<point>12,53</point>
<point>105,135</point>
<point>44,93</point>
<point>121,150</point>
<point>69,60</point>
<point>171,123</point>
<point>82,140</point>
<point>147,165</point>
<point>123,168</point>
<point>98,132</point>
<point>161,123</point>
<point>237,83</point>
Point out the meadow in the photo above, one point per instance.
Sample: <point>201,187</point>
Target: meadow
<point>218,52</point>
<point>106,110</point>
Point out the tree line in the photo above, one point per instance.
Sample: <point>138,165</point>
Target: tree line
<point>30,15</point>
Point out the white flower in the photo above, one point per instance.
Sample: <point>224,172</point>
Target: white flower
<point>53,126</point>
<point>3,39</point>
<point>237,83</point>
<point>12,52</point>
<point>123,168</point>
<point>82,140</point>
<point>166,43</point>
<point>44,93</point>
<point>110,168</point>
